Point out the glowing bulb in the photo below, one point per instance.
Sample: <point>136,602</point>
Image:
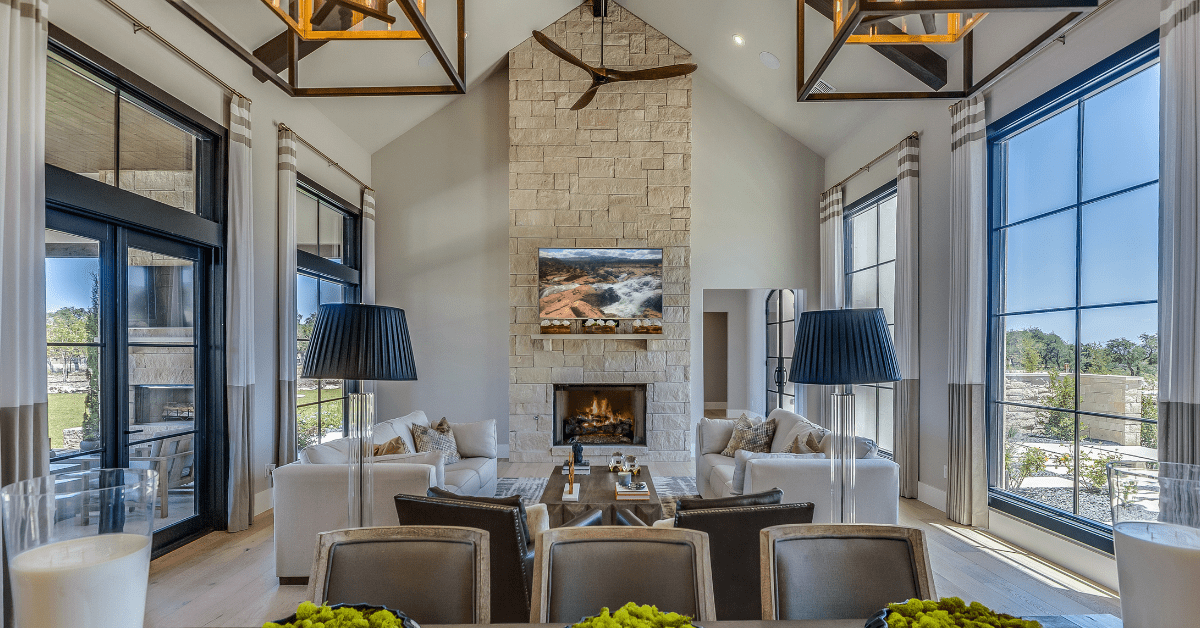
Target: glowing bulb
<point>738,40</point>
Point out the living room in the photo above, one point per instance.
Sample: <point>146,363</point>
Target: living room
<point>630,218</point>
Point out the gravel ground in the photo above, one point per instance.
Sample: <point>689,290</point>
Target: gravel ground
<point>1091,505</point>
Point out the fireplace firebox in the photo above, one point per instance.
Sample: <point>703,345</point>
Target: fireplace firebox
<point>600,414</point>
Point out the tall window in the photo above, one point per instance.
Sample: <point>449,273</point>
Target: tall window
<point>326,262</point>
<point>134,300</point>
<point>870,232</point>
<point>1074,273</point>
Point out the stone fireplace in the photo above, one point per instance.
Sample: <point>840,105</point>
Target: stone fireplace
<point>600,414</point>
<point>615,174</point>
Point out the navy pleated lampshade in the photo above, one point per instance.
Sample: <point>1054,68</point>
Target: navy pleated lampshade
<point>835,347</point>
<point>367,342</point>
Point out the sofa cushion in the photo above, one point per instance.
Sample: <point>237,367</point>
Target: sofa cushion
<point>715,434</point>
<point>863,447</point>
<point>750,436</point>
<point>738,481</point>
<point>431,458</point>
<point>792,425</point>
<point>332,452</point>
<point>476,440</point>
<point>438,437</point>
<point>402,427</point>
<point>765,498</point>
<point>463,481</point>
<point>721,479</point>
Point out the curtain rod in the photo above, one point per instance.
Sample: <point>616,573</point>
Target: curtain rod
<point>139,25</point>
<point>867,167</point>
<point>284,127</point>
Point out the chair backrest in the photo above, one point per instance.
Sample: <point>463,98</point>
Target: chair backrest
<point>578,571</point>
<point>734,543</point>
<point>434,574</point>
<point>841,571</point>
<point>510,554</point>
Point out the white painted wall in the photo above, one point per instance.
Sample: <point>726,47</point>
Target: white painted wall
<point>442,232</point>
<point>1106,33</point>
<point>755,196</point>
<point>102,28</point>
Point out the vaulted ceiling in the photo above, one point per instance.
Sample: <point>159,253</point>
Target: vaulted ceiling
<point>705,27</point>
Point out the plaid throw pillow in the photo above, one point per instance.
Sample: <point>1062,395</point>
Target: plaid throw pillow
<point>750,436</point>
<point>437,437</point>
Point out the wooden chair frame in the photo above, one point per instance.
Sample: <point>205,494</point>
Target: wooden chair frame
<point>540,604</point>
<point>478,538</point>
<point>918,553</point>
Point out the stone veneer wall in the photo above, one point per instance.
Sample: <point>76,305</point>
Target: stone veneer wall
<point>615,174</point>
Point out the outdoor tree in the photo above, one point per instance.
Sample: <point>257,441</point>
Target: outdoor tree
<point>1126,354</point>
<point>67,325</point>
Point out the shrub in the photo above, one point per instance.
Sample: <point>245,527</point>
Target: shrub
<point>1058,424</point>
<point>1021,462</point>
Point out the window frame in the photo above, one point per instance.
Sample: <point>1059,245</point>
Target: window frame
<point>874,198</point>
<point>346,274</point>
<point>1130,60</point>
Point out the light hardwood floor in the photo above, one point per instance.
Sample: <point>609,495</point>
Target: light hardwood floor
<point>229,579</point>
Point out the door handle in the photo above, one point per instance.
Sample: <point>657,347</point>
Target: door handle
<point>779,378</point>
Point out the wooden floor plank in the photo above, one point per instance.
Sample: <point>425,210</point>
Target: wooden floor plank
<point>225,580</point>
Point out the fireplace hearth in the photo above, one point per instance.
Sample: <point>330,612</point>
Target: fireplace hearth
<point>599,414</point>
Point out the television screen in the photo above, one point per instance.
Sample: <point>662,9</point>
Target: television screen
<point>600,283</point>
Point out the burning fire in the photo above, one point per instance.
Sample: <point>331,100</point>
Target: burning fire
<point>600,414</point>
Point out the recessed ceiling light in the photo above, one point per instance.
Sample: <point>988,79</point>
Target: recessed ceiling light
<point>427,60</point>
<point>738,40</point>
<point>769,60</point>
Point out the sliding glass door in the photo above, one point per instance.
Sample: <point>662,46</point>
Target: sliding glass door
<point>781,339</point>
<point>129,347</point>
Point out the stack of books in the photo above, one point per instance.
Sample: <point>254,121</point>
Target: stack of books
<point>639,491</point>
<point>580,469</point>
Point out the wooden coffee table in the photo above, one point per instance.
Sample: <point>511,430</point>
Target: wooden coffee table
<point>597,490</point>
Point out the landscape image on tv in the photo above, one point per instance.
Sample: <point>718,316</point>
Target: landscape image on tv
<point>600,283</point>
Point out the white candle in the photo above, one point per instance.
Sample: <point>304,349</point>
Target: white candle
<point>1158,569</point>
<point>91,582</point>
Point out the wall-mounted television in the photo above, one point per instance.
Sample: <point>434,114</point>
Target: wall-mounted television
<point>600,283</point>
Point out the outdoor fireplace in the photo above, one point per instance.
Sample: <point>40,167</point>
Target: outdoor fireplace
<point>600,414</point>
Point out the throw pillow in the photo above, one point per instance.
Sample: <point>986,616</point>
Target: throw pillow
<point>810,445</point>
<point>863,447</point>
<point>394,446</point>
<point>750,436</point>
<point>438,437</point>
<point>739,466</point>
<point>765,498</point>
<point>513,501</point>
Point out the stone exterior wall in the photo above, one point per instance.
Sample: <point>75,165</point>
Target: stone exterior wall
<point>1111,394</point>
<point>614,174</point>
<point>172,187</point>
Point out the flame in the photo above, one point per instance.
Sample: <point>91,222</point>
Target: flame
<point>600,413</point>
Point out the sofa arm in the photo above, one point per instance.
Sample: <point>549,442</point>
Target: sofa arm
<point>312,498</point>
<point>876,495</point>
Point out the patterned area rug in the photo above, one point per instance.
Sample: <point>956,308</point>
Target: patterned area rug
<point>669,489</point>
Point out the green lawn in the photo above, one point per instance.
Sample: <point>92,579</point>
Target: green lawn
<point>66,410</point>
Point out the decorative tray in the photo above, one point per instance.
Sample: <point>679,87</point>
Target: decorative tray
<point>366,609</point>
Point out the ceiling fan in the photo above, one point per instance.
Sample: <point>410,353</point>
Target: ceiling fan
<point>602,75</point>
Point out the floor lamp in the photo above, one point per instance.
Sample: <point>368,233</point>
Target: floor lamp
<point>843,348</point>
<point>360,342</point>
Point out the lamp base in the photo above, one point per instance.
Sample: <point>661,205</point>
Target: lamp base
<point>841,463</point>
<point>360,498</point>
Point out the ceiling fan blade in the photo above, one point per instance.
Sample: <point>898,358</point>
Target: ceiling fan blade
<point>651,74</point>
<point>586,98</point>
<point>562,53</point>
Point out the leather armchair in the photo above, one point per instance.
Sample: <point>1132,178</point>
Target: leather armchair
<point>511,545</point>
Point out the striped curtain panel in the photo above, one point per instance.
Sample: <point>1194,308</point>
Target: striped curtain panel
<point>833,251</point>
<point>285,415</point>
<point>1179,236</point>
<point>966,494</point>
<point>906,408</point>
<point>24,431</point>
<point>239,315</point>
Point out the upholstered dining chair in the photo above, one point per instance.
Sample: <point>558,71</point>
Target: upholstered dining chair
<point>434,574</point>
<point>841,571</point>
<point>510,539</point>
<point>577,571</point>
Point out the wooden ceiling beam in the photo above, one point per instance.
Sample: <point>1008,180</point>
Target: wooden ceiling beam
<point>920,61</point>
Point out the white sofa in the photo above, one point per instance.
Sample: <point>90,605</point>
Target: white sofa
<point>877,482</point>
<point>310,494</point>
